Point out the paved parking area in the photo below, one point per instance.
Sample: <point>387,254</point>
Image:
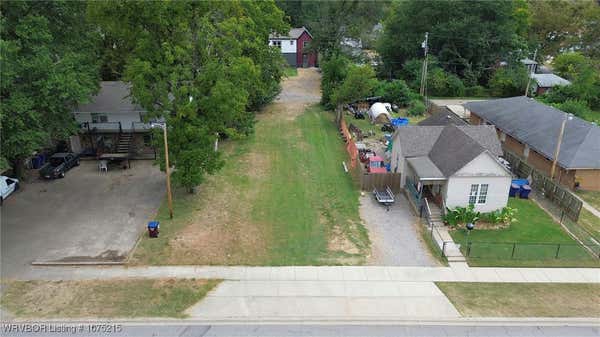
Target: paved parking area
<point>87,216</point>
<point>394,237</point>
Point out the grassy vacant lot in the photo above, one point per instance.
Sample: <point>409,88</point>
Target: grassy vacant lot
<point>537,237</point>
<point>290,71</point>
<point>282,199</point>
<point>124,298</point>
<point>523,299</point>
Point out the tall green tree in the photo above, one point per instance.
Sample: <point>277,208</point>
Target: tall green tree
<point>468,37</point>
<point>359,83</point>
<point>49,64</point>
<point>203,66</point>
<point>561,25</point>
<point>331,21</point>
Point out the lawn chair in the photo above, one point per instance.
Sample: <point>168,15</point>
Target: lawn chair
<point>103,166</point>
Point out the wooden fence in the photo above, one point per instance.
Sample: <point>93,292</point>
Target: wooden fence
<point>369,181</point>
<point>560,196</point>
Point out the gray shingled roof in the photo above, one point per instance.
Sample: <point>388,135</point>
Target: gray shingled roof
<point>417,140</point>
<point>113,97</point>
<point>293,34</point>
<point>538,126</point>
<point>549,80</point>
<point>425,168</point>
<point>442,118</point>
<point>447,148</point>
<point>454,149</point>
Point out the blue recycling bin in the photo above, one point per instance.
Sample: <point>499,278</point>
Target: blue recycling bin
<point>153,227</point>
<point>514,190</point>
<point>524,192</point>
<point>36,162</point>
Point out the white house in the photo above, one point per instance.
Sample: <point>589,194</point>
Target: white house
<point>112,122</point>
<point>451,166</point>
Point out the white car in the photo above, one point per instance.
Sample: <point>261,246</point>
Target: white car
<point>7,186</point>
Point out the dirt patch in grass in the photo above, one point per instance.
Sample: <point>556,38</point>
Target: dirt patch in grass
<point>221,231</point>
<point>523,299</point>
<point>117,298</point>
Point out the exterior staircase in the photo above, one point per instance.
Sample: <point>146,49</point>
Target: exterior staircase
<point>124,143</point>
<point>436,214</point>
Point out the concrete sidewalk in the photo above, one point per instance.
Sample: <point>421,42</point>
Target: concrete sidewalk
<point>459,273</point>
<point>347,300</point>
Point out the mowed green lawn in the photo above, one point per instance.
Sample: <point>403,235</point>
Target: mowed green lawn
<point>114,298</point>
<point>282,198</point>
<point>473,299</point>
<point>309,198</point>
<point>531,241</point>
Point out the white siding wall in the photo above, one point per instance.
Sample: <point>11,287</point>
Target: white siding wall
<point>397,162</point>
<point>481,170</point>
<point>287,46</point>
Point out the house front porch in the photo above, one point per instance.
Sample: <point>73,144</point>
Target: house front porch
<point>424,181</point>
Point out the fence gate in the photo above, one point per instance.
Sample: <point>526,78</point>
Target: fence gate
<point>369,181</point>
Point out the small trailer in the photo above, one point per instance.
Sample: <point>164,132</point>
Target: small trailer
<point>384,197</point>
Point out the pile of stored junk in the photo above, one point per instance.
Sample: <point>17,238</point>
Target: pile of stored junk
<point>368,143</point>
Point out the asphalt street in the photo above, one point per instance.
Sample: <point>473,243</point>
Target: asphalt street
<point>183,330</point>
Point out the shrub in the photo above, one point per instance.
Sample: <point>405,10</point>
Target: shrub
<point>509,81</point>
<point>461,216</point>
<point>476,91</point>
<point>416,108</point>
<point>576,107</point>
<point>395,92</point>
<point>505,215</point>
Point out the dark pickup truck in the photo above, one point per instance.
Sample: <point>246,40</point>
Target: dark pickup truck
<point>58,165</point>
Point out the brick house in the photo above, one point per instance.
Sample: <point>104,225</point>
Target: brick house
<point>530,130</point>
<point>293,47</point>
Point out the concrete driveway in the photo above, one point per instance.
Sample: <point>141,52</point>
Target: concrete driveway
<point>394,236</point>
<point>87,216</point>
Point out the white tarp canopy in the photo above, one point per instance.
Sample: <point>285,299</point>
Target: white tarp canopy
<point>378,113</point>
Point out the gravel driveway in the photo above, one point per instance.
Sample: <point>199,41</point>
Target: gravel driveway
<point>393,233</point>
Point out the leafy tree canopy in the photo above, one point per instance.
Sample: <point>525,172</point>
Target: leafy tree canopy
<point>468,37</point>
<point>509,81</point>
<point>561,25</point>
<point>49,64</point>
<point>331,21</point>
<point>359,83</point>
<point>201,65</point>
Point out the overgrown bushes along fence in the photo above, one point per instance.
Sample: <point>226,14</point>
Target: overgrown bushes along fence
<point>561,197</point>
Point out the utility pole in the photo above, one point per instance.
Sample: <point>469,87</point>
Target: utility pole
<point>558,143</point>
<point>163,126</point>
<point>530,74</point>
<point>167,171</point>
<point>425,46</point>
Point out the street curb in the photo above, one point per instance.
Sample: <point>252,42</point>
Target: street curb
<point>74,263</point>
<point>476,321</point>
